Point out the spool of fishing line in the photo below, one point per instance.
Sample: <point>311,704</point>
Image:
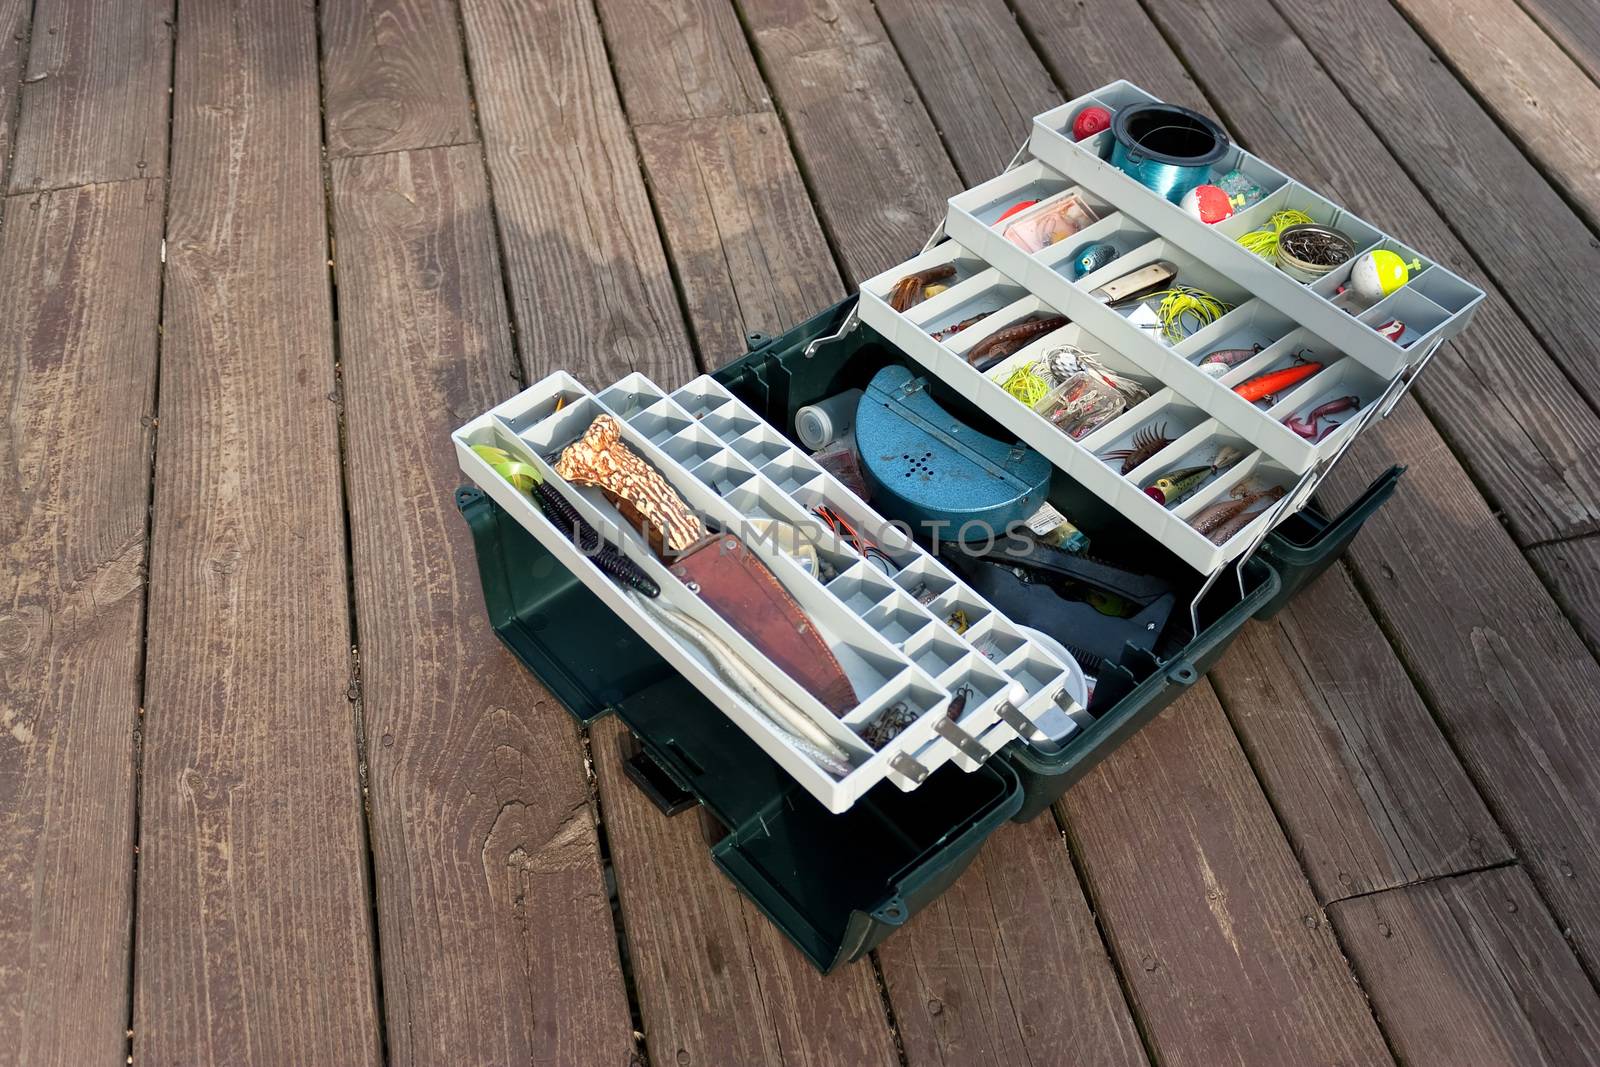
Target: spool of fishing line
<point>1166,148</point>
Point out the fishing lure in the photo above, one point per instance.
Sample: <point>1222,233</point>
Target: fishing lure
<point>1264,242</point>
<point>911,290</point>
<point>1210,519</point>
<point>1145,444</point>
<point>1185,309</point>
<point>1222,360</point>
<point>1002,343</point>
<point>1173,486</point>
<point>1224,533</point>
<point>888,725</point>
<point>958,703</point>
<point>1392,330</point>
<point>1265,386</point>
<point>1306,426</point>
<point>1027,385</point>
<point>950,331</point>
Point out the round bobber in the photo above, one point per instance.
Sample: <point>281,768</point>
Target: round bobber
<point>1378,273</point>
<point>1090,121</point>
<point>1210,204</point>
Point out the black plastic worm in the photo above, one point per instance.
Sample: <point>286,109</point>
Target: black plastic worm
<point>607,557</point>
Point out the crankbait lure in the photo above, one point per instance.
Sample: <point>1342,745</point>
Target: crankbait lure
<point>1392,330</point>
<point>1223,360</point>
<point>1145,444</point>
<point>1266,386</point>
<point>1002,343</point>
<point>911,290</point>
<point>1173,486</point>
<point>1306,426</point>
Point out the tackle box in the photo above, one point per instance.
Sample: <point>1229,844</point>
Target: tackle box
<point>839,856</point>
<point>837,884</point>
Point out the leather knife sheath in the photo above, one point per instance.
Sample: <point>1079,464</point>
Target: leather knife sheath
<point>734,582</point>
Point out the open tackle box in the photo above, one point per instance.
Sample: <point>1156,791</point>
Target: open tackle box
<point>839,857</point>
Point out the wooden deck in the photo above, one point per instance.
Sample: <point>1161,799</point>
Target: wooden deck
<point>270,792</point>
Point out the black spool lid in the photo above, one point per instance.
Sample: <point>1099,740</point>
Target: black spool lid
<point>1169,134</point>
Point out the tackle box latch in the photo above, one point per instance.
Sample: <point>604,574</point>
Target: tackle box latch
<point>654,780</point>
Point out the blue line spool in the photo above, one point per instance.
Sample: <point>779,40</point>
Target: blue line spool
<point>1166,148</point>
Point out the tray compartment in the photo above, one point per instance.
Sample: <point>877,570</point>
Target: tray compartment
<point>946,253</point>
<point>661,421</point>
<point>1116,229</point>
<point>1344,378</point>
<point>977,298</point>
<point>1421,316</point>
<point>730,422</point>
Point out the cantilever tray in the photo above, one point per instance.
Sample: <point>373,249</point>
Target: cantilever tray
<point>1004,283</point>
<point>732,467</point>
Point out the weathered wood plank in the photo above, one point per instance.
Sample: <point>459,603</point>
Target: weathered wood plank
<point>94,98</point>
<point>393,76</point>
<point>15,16</point>
<point>590,291</point>
<point>976,73</point>
<point>1541,97</point>
<point>1498,395</point>
<point>717,982</point>
<point>1510,681</point>
<point>253,936</point>
<point>1471,970</point>
<point>1367,787</point>
<point>1225,952</point>
<point>739,227</point>
<point>681,61</point>
<point>866,144</point>
<point>1572,23</point>
<point>477,794</point>
<point>1506,212</point>
<point>77,392</point>
<point>1571,569</point>
<point>977,977</point>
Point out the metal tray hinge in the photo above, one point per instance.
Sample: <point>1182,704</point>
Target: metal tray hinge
<point>964,742</point>
<point>909,767</point>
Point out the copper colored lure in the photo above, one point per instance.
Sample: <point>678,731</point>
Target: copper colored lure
<point>1146,443</point>
<point>1214,520</point>
<point>909,291</point>
<point>1222,534</point>
<point>1000,344</point>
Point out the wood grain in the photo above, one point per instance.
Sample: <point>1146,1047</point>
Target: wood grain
<point>1471,971</point>
<point>1367,787</point>
<point>739,228</point>
<point>1571,570</point>
<point>590,291</point>
<point>1225,953</point>
<point>77,390</point>
<point>677,61</point>
<point>95,94</point>
<point>870,152</point>
<point>717,981</point>
<point>1539,95</point>
<point>976,73</point>
<point>393,76</point>
<point>1572,23</point>
<point>1509,680</point>
<point>1506,212</point>
<point>1495,392</point>
<point>15,17</point>
<point>253,936</point>
<point>1007,966</point>
<point>478,798</point>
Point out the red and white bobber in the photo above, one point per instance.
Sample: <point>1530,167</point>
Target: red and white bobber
<point>1209,204</point>
<point>1090,121</point>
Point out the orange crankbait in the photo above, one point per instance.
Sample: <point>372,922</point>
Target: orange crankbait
<point>1275,381</point>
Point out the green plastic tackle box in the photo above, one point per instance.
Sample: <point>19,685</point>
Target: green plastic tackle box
<point>838,884</point>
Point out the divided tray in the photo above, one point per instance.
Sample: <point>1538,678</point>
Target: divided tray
<point>887,621</point>
<point>1270,310</point>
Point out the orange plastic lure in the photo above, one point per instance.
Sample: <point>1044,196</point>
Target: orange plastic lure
<point>1275,381</point>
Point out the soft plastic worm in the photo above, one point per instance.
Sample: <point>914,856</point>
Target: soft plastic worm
<point>909,291</point>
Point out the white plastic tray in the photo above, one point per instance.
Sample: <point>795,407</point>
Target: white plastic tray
<point>731,467</point>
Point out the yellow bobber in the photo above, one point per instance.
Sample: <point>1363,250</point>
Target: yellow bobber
<point>1377,274</point>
